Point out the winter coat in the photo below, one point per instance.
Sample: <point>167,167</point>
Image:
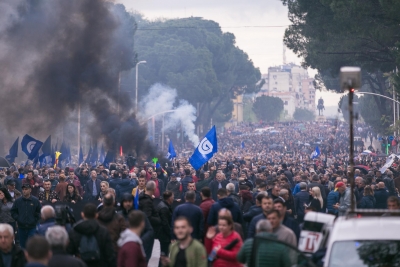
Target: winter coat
<point>253,211</point>
<point>17,258</point>
<point>195,254</point>
<point>214,188</point>
<point>74,197</point>
<point>165,212</point>
<point>184,182</point>
<point>61,189</point>
<point>316,204</point>
<point>125,186</point>
<point>195,216</point>
<point>26,211</point>
<point>42,229</point>
<point>252,227</point>
<point>5,212</point>
<point>89,189</point>
<point>331,200</point>
<point>205,207</point>
<point>114,222</point>
<point>236,198</point>
<point>292,224</point>
<point>301,198</point>
<point>228,204</point>
<point>381,195</point>
<point>92,227</point>
<point>367,202</point>
<point>52,195</point>
<point>344,202</point>
<point>77,184</point>
<point>147,206</point>
<point>269,254</point>
<point>174,187</point>
<point>61,258</point>
<point>224,257</point>
<point>131,252</point>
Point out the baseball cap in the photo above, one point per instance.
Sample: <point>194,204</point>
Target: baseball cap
<point>26,186</point>
<point>339,184</point>
<point>173,174</point>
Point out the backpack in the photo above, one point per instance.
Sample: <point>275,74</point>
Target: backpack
<point>89,249</point>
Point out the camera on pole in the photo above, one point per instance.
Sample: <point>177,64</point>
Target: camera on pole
<point>350,80</point>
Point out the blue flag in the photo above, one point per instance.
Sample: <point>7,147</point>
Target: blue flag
<point>46,150</point>
<point>242,145</point>
<point>80,156</point>
<point>171,151</point>
<point>205,150</point>
<point>102,154</point>
<point>136,199</point>
<point>95,155</point>
<point>30,146</point>
<point>315,153</point>
<point>64,152</point>
<point>13,152</point>
<point>108,159</point>
<point>87,160</point>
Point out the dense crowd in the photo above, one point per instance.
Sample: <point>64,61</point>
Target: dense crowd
<point>259,184</point>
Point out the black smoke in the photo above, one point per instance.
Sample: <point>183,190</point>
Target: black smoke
<point>58,54</point>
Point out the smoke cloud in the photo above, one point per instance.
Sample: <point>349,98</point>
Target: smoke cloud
<point>162,98</point>
<point>58,55</point>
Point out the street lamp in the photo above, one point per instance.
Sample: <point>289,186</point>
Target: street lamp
<point>137,73</point>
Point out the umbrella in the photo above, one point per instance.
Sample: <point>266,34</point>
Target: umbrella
<point>362,168</point>
<point>306,144</point>
<point>367,151</point>
<point>4,163</point>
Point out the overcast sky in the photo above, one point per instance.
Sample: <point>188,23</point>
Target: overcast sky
<point>253,22</point>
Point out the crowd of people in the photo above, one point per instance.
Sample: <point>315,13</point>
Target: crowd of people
<point>259,184</point>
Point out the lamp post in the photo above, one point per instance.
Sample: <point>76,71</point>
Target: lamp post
<point>137,74</point>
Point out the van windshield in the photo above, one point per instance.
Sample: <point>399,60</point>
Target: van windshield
<point>370,253</point>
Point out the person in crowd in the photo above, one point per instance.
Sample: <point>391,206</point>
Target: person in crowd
<point>393,203</point>
<point>141,186</point>
<point>232,194</point>
<point>26,212</point>
<point>164,209</point>
<point>205,205</point>
<point>72,195</point>
<point>38,252</point>
<point>270,254</point>
<point>48,215</point>
<point>266,206</point>
<point>332,199</point>
<point>185,181</point>
<point>104,186</point>
<point>223,247</point>
<point>72,179</point>
<point>83,175</point>
<point>148,232</point>
<point>53,179</point>
<point>186,251</point>
<point>192,187</point>
<point>217,184</point>
<point>159,188</point>
<point>287,220</point>
<point>173,186</point>
<point>316,199</point>
<point>12,190</point>
<point>381,195</point>
<point>89,231</point>
<point>34,184</point>
<point>61,187</point>
<point>48,195</point>
<point>6,203</point>
<point>282,232</point>
<point>146,204</point>
<point>301,200</point>
<point>58,239</point>
<point>109,218</point>
<point>131,251</point>
<point>344,199</point>
<point>224,202</point>
<point>193,213</point>
<point>92,187</point>
<point>11,255</point>
<point>368,200</point>
<point>255,209</point>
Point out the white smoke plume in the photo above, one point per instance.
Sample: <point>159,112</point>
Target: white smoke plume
<point>162,98</point>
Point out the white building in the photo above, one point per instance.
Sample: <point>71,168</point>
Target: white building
<point>292,84</point>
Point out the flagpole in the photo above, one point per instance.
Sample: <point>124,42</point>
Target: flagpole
<point>79,127</point>
<point>162,134</point>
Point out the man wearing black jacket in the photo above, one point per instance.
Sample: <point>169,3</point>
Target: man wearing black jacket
<point>9,252</point>
<point>26,212</point>
<point>146,204</point>
<point>165,211</point>
<point>280,205</point>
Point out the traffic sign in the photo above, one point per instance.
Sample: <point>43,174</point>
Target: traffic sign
<point>391,138</point>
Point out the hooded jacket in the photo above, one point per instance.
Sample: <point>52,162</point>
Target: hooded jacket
<point>131,252</point>
<point>92,227</point>
<point>227,203</point>
<point>367,202</point>
<point>115,223</point>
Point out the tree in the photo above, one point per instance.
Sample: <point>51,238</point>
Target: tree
<point>329,34</point>
<point>194,56</point>
<point>303,114</point>
<point>268,108</point>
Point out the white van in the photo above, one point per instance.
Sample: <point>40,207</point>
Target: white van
<point>365,238</point>
<point>315,232</point>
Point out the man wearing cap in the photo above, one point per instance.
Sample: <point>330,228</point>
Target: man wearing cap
<point>344,199</point>
<point>173,186</point>
<point>26,211</point>
<point>11,189</point>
